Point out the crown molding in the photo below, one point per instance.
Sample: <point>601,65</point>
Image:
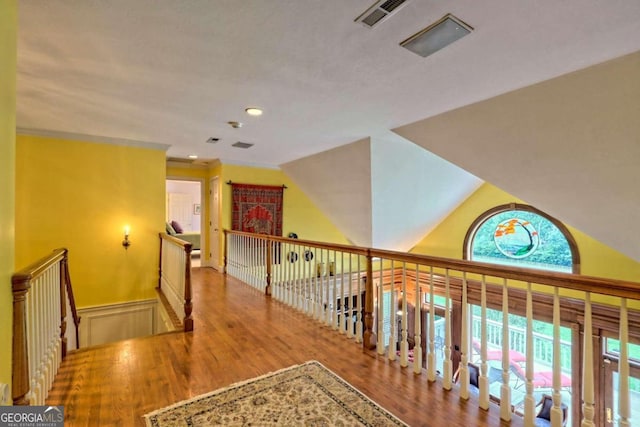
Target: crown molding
<point>92,138</point>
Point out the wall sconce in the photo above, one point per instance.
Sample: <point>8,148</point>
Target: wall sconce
<point>126,242</point>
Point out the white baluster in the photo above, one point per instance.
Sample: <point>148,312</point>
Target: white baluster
<point>464,345</point>
<point>404,344</point>
<point>334,299</point>
<point>556,411</point>
<point>483,381</point>
<point>529,401</point>
<point>380,344</point>
<point>588,396</point>
<point>623,368</point>
<point>359,329</point>
<point>393,321</point>
<point>505,390</point>
<point>447,367</point>
<point>431,353</point>
<point>417,338</point>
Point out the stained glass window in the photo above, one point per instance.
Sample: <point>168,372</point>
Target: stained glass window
<point>521,236</point>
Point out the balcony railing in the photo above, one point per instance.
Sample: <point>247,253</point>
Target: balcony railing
<point>174,286</point>
<point>386,301</point>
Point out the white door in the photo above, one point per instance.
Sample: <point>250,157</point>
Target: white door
<point>180,206</point>
<point>214,224</point>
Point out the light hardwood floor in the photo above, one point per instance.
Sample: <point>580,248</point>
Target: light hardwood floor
<point>240,334</point>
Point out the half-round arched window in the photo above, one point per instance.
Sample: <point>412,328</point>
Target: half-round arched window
<point>522,236</point>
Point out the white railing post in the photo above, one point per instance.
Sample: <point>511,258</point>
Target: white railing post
<point>417,318</point>
<point>529,401</point>
<point>483,381</point>
<point>623,368</point>
<point>404,343</point>
<point>588,398</point>
<point>556,411</point>
<point>393,334</point>
<point>464,342</point>
<point>447,367</point>
<point>505,390</point>
<point>431,353</point>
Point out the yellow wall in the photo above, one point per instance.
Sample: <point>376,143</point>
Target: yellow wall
<point>80,195</point>
<point>8,28</point>
<point>447,239</point>
<point>299,216</point>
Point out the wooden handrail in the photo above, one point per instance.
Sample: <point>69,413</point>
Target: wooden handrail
<point>21,283</point>
<point>577,282</point>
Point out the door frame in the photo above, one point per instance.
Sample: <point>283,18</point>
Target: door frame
<point>214,233</point>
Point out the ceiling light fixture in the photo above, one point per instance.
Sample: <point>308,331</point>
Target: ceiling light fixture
<point>253,111</point>
<point>235,125</point>
<point>437,35</point>
<point>192,156</point>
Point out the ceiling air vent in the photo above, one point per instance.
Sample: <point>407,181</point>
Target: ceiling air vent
<point>379,11</point>
<point>212,140</point>
<point>242,145</point>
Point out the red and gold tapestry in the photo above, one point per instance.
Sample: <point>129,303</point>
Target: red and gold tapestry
<point>256,209</point>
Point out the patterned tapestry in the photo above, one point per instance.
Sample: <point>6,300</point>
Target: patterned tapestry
<point>257,209</point>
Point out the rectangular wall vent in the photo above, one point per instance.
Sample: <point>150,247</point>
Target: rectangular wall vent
<point>242,145</point>
<point>379,11</point>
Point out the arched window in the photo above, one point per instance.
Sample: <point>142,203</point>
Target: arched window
<point>522,236</point>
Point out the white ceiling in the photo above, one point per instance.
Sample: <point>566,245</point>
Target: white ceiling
<point>175,72</point>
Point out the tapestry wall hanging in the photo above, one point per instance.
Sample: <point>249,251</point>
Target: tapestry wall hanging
<point>257,208</point>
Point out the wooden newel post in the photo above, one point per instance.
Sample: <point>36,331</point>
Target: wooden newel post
<point>224,251</point>
<point>267,289</point>
<point>188,306</point>
<point>63,303</point>
<point>20,378</point>
<point>369,338</point>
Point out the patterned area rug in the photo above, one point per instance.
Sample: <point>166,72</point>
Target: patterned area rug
<point>302,395</point>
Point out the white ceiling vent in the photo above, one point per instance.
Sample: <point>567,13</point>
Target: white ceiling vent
<point>379,11</point>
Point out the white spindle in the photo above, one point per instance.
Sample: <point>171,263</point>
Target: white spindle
<point>483,381</point>
<point>404,343</point>
<point>431,353</point>
<point>380,337</point>
<point>529,401</point>
<point>359,328</point>
<point>393,321</point>
<point>464,344</point>
<point>588,397</point>
<point>505,390</point>
<point>417,339</point>
<point>623,368</point>
<point>334,300</point>
<point>447,364</point>
<point>556,411</point>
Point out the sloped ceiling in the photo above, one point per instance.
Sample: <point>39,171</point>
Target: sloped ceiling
<point>385,193</point>
<point>570,146</point>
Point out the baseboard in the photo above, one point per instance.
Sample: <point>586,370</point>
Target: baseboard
<point>116,322</point>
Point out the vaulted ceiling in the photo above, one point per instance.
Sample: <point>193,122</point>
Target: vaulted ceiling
<point>174,73</point>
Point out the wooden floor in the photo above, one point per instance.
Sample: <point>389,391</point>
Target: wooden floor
<point>240,334</point>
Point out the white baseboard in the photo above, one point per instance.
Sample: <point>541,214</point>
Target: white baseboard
<point>115,322</point>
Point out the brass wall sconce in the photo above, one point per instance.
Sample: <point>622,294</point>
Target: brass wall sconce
<point>126,242</point>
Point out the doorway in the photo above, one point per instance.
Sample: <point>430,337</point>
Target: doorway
<point>214,229</point>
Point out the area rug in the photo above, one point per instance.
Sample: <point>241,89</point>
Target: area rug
<point>302,395</point>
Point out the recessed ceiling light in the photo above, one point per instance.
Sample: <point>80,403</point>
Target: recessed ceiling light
<point>235,125</point>
<point>253,111</point>
<point>213,140</point>
<point>193,156</point>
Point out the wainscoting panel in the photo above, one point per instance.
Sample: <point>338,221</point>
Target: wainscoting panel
<point>115,322</point>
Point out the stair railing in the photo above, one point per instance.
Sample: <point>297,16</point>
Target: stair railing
<point>41,294</point>
<point>174,285</point>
